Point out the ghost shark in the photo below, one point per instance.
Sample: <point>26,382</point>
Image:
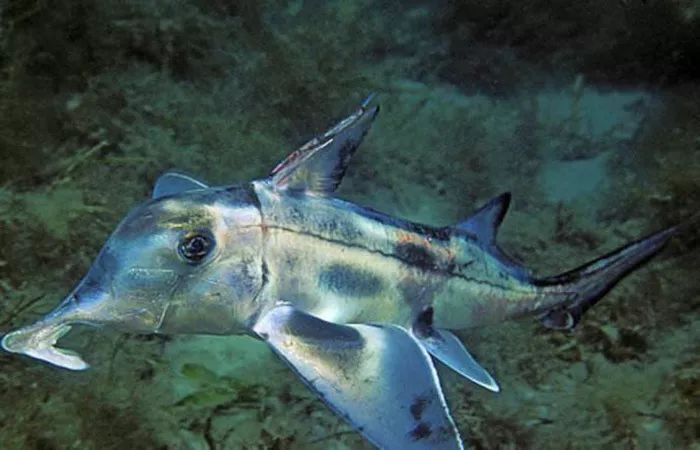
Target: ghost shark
<point>356,302</point>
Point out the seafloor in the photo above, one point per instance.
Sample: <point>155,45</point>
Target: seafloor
<point>587,111</point>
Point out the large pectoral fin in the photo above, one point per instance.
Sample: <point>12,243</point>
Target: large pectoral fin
<point>377,377</point>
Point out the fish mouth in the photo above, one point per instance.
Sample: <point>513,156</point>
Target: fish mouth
<point>39,341</point>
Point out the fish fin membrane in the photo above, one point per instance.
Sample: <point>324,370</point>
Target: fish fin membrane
<point>378,377</point>
<point>318,166</point>
<point>172,183</point>
<point>484,223</point>
<point>482,227</point>
<point>447,348</point>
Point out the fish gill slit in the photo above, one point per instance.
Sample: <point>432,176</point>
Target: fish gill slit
<point>265,236</point>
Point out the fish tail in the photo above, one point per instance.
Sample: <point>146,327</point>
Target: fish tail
<point>590,282</point>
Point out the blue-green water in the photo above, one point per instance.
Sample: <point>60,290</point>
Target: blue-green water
<point>588,112</point>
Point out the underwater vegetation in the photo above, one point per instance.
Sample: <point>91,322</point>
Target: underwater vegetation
<point>587,111</point>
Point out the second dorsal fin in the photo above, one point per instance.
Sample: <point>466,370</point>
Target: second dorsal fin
<point>483,224</point>
<point>482,227</point>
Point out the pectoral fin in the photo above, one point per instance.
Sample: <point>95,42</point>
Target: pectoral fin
<point>378,377</point>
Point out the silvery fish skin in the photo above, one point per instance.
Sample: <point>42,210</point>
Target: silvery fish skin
<point>356,302</point>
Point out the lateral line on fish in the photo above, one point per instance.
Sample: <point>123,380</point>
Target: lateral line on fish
<point>397,258</point>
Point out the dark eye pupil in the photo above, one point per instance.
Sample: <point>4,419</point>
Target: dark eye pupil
<point>197,245</point>
<point>195,248</point>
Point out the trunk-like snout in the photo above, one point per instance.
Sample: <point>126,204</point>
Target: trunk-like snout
<point>38,340</point>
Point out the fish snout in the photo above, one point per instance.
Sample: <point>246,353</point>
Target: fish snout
<point>38,340</point>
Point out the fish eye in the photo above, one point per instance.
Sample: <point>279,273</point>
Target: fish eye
<point>195,246</point>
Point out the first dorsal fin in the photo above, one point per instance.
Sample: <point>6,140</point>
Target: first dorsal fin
<point>171,183</point>
<point>318,166</point>
<point>484,223</point>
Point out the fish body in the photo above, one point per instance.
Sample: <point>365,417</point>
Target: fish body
<point>358,303</point>
<point>348,264</point>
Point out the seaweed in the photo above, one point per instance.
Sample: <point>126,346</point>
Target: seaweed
<point>488,430</point>
<point>684,388</point>
<point>225,411</point>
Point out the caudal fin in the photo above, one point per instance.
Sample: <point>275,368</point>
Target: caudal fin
<point>592,281</point>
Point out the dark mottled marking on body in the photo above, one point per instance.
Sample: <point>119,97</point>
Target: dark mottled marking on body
<point>350,281</point>
<point>419,291</point>
<point>418,406</point>
<point>416,255</point>
<point>306,328</point>
<point>443,434</point>
<point>421,431</point>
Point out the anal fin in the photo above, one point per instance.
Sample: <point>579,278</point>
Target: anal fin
<point>377,377</point>
<point>447,347</point>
